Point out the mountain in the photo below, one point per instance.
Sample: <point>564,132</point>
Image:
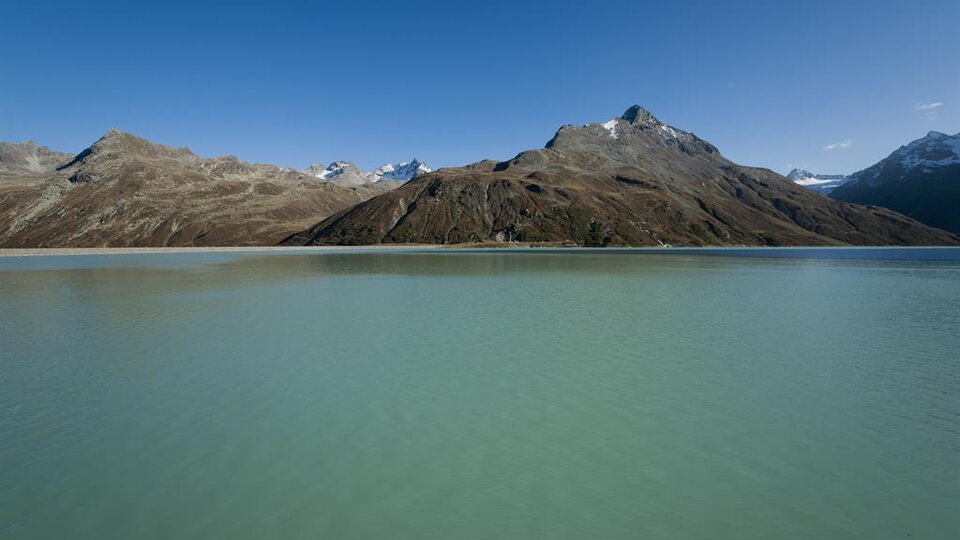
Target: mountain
<point>403,171</point>
<point>921,180</point>
<point>126,191</point>
<point>347,174</point>
<point>28,158</point>
<point>342,173</point>
<point>821,183</point>
<point>630,181</point>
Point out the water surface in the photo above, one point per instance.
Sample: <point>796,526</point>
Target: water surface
<point>481,394</point>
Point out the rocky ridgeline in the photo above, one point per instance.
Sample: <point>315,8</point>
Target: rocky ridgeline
<point>630,181</point>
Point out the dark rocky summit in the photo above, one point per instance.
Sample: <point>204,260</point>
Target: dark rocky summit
<point>631,181</point>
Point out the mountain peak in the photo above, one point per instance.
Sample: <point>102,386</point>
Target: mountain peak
<point>932,155</point>
<point>918,179</point>
<point>335,169</point>
<point>116,137</point>
<point>116,142</point>
<point>346,173</point>
<point>799,174</point>
<point>635,128</point>
<point>638,115</point>
<point>403,171</point>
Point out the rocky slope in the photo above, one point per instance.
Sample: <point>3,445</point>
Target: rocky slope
<point>630,181</point>
<point>821,183</point>
<point>18,159</point>
<point>921,180</point>
<point>126,191</point>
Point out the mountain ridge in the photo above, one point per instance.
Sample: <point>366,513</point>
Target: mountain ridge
<point>125,191</point>
<point>632,180</point>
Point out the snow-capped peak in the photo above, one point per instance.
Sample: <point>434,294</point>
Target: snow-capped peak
<point>799,174</point>
<point>403,171</point>
<point>346,173</point>
<point>330,171</point>
<point>934,150</point>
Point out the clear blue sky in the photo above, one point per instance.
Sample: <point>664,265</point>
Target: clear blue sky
<point>770,83</point>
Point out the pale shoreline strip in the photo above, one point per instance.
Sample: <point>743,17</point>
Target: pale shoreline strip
<point>40,252</point>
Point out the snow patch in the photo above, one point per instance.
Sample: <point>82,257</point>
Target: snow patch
<point>403,171</point>
<point>669,131</point>
<point>821,183</point>
<point>812,181</point>
<point>611,126</point>
<point>332,171</point>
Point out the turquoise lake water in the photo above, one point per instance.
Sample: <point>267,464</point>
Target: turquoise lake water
<point>481,394</point>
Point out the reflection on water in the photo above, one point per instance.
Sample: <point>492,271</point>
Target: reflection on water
<point>481,394</point>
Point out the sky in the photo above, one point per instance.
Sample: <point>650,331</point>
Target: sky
<point>828,86</point>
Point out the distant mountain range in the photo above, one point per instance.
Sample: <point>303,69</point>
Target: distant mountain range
<point>632,180</point>
<point>347,174</point>
<point>920,180</point>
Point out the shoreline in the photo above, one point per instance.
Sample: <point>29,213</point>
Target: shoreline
<point>48,252</point>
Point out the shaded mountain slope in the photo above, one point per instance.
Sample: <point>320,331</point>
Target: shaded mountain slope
<point>921,180</point>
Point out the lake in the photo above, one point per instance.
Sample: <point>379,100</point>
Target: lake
<point>736,393</point>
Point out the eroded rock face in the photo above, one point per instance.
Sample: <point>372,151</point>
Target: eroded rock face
<point>127,191</point>
<point>631,181</point>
